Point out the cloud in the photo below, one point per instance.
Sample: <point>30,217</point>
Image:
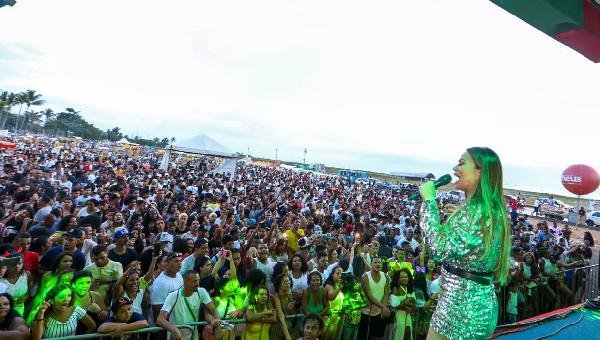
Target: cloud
<point>424,79</point>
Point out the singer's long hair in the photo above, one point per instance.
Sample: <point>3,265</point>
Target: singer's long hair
<point>489,195</point>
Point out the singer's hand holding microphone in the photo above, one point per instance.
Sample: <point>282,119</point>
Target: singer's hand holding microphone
<point>427,189</point>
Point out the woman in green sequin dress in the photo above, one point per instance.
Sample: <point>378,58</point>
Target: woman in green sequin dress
<point>473,245</point>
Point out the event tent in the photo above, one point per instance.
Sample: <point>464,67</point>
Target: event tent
<point>126,142</point>
<point>575,23</point>
<point>202,145</point>
<point>7,145</point>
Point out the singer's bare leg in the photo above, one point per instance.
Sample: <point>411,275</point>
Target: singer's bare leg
<point>433,335</point>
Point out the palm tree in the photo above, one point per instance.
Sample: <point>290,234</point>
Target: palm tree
<point>48,114</point>
<point>4,105</point>
<point>31,118</point>
<point>19,99</point>
<point>7,101</point>
<point>69,120</point>
<point>29,98</point>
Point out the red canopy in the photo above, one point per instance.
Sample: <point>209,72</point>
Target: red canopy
<point>7,145</point>
<point>575,23</point>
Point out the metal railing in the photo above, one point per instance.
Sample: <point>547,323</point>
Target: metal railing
<point>149,330</point>
<point>563,289</point>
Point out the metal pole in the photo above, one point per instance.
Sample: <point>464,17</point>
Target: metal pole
<point>579,207</point>
<point>304,156</point>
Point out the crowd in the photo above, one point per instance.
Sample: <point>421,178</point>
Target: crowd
<point>549,270</point>
<point>102,241</point>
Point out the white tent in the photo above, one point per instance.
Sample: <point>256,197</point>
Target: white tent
<point>125,141</point>
<point>203,142</point>
<point>202,145</point>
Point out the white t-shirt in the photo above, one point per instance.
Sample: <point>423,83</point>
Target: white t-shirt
<point>162,286</point>
<point>299,284</point>
<point>324,275</point>
<point>179,312</point>
<point>86,249</point>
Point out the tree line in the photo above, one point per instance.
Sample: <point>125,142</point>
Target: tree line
<point>24,112</point>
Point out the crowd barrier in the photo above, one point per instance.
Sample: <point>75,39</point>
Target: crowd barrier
<point>149,330</point>
<point>570,287</point>
<point>582,282</point>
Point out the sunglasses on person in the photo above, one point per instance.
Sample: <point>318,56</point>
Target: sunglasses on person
<point>124,301</point>
<point>173,255</point>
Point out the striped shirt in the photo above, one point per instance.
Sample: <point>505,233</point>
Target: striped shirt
<point>57,329</point>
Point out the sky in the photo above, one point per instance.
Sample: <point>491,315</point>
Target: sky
<point>388,85</point>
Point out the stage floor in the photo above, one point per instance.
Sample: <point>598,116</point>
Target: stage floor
<point>575,322</point>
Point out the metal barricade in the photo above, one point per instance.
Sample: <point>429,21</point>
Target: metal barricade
<point>149,330</point>
<point>582,283</point>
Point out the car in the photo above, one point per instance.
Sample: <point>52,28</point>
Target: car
<point>556,203</point>
<point>553,208</point>
<point>456,195</point>
<point>453,196</point>
<point>593,218</point>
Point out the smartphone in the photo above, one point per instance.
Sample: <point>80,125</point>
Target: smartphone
<point>224,253</point>
<point>157,249</point>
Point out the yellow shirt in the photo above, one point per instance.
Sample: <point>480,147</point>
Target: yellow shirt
<point>292,239</point>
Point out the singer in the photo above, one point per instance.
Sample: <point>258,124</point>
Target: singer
<point>473,246</point>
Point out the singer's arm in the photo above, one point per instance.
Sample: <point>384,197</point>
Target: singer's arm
<point>454,239</point>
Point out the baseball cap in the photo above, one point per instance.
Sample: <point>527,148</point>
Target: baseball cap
<point>165,237</point>
<point>121,232</point>
<point>74,233</point>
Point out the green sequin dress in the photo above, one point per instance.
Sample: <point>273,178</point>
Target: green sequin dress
<point>466,309</point>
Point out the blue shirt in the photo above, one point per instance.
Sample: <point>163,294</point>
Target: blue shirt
<point>52,253</point>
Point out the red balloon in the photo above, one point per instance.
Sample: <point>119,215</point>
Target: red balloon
<point>580,179</point>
